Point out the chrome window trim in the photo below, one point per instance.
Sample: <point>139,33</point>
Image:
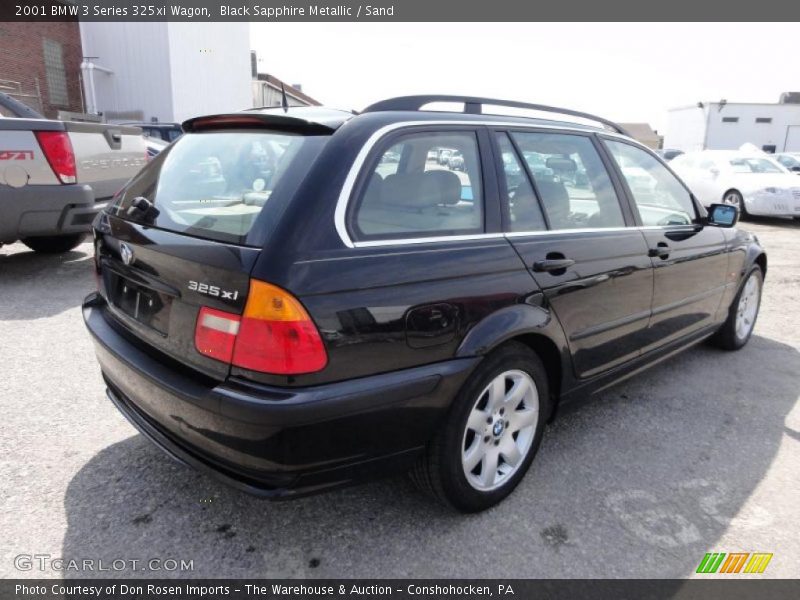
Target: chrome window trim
<point>515,234</point>
<point>427,240</point>
<point>340,213</point>
<point>541,232</point>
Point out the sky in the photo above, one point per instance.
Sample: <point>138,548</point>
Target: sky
<point>627,72</point>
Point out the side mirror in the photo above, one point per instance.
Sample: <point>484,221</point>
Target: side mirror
<point>723,215</point>
<point>796,168</point>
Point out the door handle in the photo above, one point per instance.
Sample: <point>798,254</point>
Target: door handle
<point>660,251</point>
<point>552,264</point>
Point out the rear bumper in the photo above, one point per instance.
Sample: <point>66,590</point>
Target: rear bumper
<point>35,210</point>
<point>270,441</point>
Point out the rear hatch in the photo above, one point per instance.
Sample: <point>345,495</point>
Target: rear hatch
<point>185,233</point>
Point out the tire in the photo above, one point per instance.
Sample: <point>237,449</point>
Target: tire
<point>54,244</point>
<point>737,329</point>
<point>443,471</point>
<point>734,197</point>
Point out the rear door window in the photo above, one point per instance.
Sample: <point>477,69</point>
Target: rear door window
<point>422,185</point>
<point>215,185</point>
<point>523,207</point>
<point>571,180</point>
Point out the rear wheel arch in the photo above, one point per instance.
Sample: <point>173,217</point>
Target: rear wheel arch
<point>548,352</point>
<point>501,326</point>
<point>729,190</point>
<point>532,326</point>
<point>742,207</point>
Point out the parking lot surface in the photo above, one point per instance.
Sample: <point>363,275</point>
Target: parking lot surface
<point>698,454</point>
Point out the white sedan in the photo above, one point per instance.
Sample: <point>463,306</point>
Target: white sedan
<point>755,183</point>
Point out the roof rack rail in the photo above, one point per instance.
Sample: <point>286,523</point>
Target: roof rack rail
<point>473,105</point>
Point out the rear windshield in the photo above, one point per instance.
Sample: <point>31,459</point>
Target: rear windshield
<point>216,185</point>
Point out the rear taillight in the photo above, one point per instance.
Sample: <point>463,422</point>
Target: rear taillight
<point>215,334</point>
<point>277,335</point>
<point>58,151</point>
<point>274,335</point>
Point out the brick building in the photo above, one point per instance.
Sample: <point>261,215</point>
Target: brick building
<point>40,64</point>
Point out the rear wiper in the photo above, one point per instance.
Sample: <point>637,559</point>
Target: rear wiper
<point>148,209</point>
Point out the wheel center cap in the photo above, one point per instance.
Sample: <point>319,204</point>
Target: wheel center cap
<point>499,427</point>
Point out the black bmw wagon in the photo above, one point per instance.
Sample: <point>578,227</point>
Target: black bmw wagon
<point>298,299</point>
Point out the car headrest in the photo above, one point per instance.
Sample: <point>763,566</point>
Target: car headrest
<point>446,185</point>
<point>403,189</point>
<point>558,163</point>
<point>421,190</point>
<point>554,196</point>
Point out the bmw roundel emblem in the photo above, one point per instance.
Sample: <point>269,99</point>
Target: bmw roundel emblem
<point>126,252</point>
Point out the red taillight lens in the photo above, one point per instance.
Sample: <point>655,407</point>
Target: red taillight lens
<point>215,334</point>
<point>277,335</point>
<point>58,151</point>
<point>274,335</point>
<point>280,347</point>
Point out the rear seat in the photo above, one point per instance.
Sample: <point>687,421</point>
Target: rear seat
<point>410,202</point>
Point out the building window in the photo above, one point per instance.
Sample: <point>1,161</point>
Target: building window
<point>56,75</point>
<point>730,119</point>
<point>763,120</point>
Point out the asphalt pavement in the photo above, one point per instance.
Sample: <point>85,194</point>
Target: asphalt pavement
<point>698,454</point>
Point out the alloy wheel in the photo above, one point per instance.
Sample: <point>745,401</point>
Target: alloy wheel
<point>747,309</point>
<point>734,199</point>
<point>500,430</point>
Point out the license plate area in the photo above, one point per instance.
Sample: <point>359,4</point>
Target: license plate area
<point>143,304</point>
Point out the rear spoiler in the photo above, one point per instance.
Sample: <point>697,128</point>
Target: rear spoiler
<point>303,121</point>
<point>17,108</point>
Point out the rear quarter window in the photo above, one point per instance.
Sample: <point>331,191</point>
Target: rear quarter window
<point>422,185</point>
<point>215,185</point>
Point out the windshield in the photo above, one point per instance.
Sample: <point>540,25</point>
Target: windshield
<point>754,165</point>
<point>215,185</point>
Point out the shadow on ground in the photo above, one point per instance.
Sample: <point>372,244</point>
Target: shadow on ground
<point>42,285</point>
<point>638,483</point>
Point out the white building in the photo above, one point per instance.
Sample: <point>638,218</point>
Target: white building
<point>727,125</point>
<point>167,72</point>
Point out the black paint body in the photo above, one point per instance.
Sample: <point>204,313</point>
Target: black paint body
<point>403,325</point>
